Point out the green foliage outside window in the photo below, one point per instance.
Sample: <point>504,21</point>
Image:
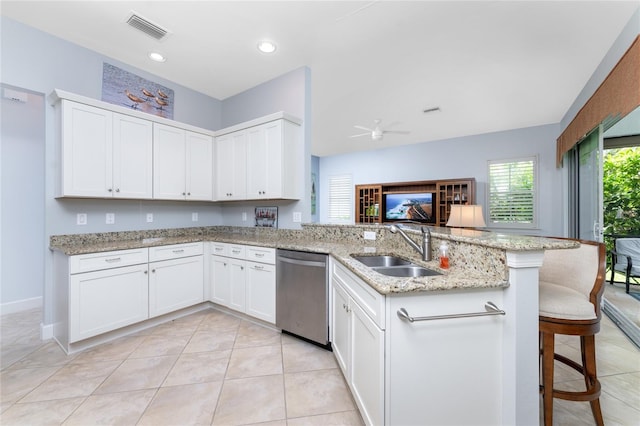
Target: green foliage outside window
<point>621,191</point>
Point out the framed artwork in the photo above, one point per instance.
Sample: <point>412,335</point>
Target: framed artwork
<point>267,217</point>
<point>120,87</point>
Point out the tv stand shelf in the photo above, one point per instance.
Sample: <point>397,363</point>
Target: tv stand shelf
<point>370,204</point>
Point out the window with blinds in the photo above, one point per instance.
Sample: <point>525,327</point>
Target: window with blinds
<point>512,193</point>
<point>340,199</point>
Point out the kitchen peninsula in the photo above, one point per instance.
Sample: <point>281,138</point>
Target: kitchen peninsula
<point>477,370</point>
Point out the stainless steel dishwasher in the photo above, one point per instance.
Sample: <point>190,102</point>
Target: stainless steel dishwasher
<point>302,295</point>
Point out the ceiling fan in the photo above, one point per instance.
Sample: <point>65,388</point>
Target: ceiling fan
<point>378,132</point>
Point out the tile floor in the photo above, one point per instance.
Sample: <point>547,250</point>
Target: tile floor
<point>206,368</point>
<point>214,368</point>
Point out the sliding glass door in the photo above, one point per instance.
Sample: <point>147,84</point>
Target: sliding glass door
<point>585,188</point>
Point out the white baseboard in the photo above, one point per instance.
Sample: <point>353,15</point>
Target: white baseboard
<point>20,305</point>
<point>46,331</point>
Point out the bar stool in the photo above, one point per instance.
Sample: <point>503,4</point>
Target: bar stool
<point>571,287</point>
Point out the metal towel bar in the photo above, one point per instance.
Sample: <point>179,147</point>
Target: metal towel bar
<point>491,308</point>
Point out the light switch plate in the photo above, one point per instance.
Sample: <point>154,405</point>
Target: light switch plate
<point>110,218</point>
<point>244,216</point>
<point>81,219</point>
<point>369,235</point>
<point>297,217</point>
<point>149,217</point>
<point>194,216</point>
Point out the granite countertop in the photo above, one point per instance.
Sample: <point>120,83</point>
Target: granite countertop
<point>477,260</point>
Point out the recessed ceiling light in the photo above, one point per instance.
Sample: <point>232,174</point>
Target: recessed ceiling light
<point>156,56</point>
<point>266,46</point>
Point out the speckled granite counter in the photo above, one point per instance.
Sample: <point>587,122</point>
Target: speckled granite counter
<point>477,258</point>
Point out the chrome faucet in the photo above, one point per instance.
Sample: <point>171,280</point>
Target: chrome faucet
<point>425,250</point>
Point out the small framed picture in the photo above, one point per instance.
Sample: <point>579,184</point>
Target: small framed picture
<point>267,217</point>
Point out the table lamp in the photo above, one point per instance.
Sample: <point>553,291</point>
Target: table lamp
<point>466,216</point>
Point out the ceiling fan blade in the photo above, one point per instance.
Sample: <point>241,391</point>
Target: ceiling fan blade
<point>360,134</point>
<point>398,132</point>
<point>395,123</point>
<point>363,128</point>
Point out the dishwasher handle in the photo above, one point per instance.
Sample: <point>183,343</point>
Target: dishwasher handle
<point>301,262</point>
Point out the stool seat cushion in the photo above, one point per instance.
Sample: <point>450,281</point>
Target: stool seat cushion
<point>557,301</point>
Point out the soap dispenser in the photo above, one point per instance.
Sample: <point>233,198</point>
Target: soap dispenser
<point>443,254</point>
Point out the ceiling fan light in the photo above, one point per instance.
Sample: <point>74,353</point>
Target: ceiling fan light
<point>266,46</point>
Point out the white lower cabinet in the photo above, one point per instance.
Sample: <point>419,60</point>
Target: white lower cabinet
<point>175,284</point>
<point>96,293</point>
<point>243,278</point>
<point>358,344</point>
<point>445,371</point>
<point>103,301</point>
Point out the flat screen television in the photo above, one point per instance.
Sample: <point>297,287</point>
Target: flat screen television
<point>412,206</point>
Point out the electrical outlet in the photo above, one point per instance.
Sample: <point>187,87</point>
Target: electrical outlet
<point>81,219</point>
<point>149,217</point>
<point>110,218</point>
<point>194,217</point>
<point>297,217</point>
<point>369,235</point>
<point>244,216</point>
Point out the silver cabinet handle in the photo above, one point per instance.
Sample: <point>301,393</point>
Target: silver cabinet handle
<point>258,254</point>
<point>113,259</point>
<point>178,251</point>
<point>258,268</point>
<point>491,309</point>
<point>117,189</point>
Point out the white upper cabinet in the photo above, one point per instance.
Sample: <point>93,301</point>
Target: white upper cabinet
<point>231,168</point>
<point>270,167</point>
<point>182,164</point>
<point>104,154</point>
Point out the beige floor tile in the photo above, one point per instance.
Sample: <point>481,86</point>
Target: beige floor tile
<point>160,345</point>
<point>122,408</point>
<point>72,380</point>
<point>218,321</point>
<point>303,356</point>
<point>345,418</point>
<point>48,355</point>
<point>15,384</point>
<point>198,367</point>
<point>183,405</point>
<point>40,413</point>
<point>118,349</point>
<point>138,373</point>
<point>625,387</point>
<point>250,334</point>
<point>11,353</point>
<point>310,393</point>
<point>251,400</point>
<point>255,361</point>
<point>178,327</point>
<point>206,341</point>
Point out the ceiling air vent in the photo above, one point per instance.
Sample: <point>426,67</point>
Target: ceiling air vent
<point>146,26</point>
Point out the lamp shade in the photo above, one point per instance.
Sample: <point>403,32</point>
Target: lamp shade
<point>466,216</point>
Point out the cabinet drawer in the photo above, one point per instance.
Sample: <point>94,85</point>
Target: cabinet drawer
<point>107,260</point>
<point>371,302</point>
<point>261,254</point>
<point>237,251</point>
<point>174,251</point>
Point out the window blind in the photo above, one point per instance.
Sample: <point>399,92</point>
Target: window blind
<point>512,190</point>
<point>340,193</point>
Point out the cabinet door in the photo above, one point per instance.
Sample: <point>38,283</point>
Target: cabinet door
<point>132,157</point>
<point>231,167</point>
<point>261,291</point>
<point>86,150</point>
<point>199,167</point>
<point>220,280</point>
<point>168,163</point>
<point>341,328</point>
<point>237,279</point>
<point>175,284</point>
<point>429,361</point>
<point>367,366</point>
<point>105,300</point>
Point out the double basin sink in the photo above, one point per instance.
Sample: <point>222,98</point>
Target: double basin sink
<point>394,266</point>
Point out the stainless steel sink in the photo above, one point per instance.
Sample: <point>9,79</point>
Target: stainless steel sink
<point>406,271</point>
<point>394,266</point>
<point>381,260</point>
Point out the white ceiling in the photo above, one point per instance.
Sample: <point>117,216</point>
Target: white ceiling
<point>489,66</point>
